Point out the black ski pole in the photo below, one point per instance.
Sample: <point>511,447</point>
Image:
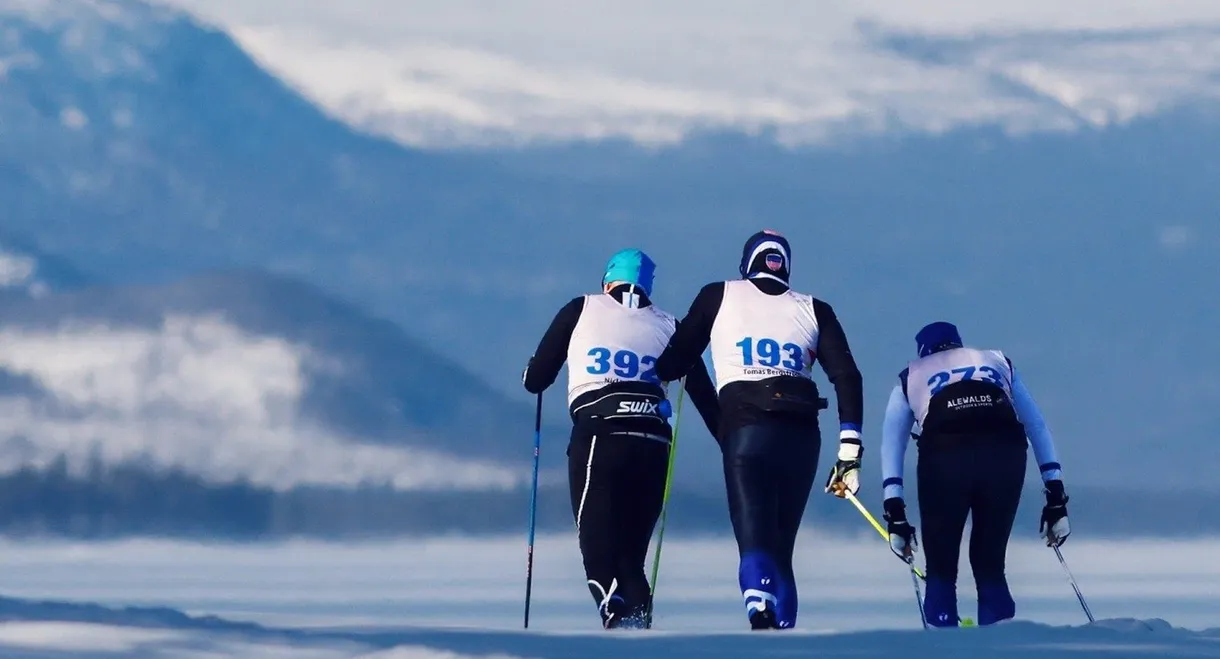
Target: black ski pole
<point>1072,580</point>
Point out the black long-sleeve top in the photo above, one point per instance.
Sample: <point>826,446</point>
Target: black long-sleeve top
<point>745,402</point>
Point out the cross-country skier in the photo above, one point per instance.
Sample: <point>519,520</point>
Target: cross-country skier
<point>974,418</point>
<point>764,339</point>
<point>618,454</point>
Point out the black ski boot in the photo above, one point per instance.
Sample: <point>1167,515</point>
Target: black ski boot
<point>764,619</point>
<point>615,614</point>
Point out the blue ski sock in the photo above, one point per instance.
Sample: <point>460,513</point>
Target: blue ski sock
<point>760,581</point>
<point>786,603</point>
<point>940,602</point>
<point>995,602</point>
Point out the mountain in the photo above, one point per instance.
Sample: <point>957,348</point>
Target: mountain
<point>242,404</point>
<point>129,129</point>
<point>248,375</point>
<point>137,143</point>
<point>247,406</point>
<point>504,77</point>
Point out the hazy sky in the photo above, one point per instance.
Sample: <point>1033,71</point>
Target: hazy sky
<point>508,20</point>
<point>479,70</point>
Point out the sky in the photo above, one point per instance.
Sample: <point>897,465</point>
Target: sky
<point>473,71</point>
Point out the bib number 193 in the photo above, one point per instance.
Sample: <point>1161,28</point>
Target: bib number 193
<point>768,352</point>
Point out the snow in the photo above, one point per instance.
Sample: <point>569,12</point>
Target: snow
<point>97,39</point>
<point>469,73</point>
<point>1119,638</point>
<point>466,72</point>
<point>230,400</point>
<point>451,598</point>
<point>16,269</point>
<point>126,13</point>
<point>73,118</point>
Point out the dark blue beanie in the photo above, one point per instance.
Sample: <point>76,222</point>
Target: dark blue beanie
<point>936,337</point>
<point>766,252</point>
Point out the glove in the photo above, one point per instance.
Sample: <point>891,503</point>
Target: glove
<point>845,475</point>
<point>1054,527</point>
<point>902,534</point>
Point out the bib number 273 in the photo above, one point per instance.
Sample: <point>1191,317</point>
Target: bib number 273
<point>768,352</point>
<point>942,379</point>
<point>625,364</point>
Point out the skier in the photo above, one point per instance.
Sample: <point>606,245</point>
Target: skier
<point>975,417</point>
<point>764,339</point>
<point>618,453</point>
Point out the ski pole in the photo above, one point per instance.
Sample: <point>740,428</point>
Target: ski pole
<point>529,552</point>
<point>915,573</point>
<point>669,477</point>
<point>1072,580</point>
<point>918,596</point>
<point>880,529</point>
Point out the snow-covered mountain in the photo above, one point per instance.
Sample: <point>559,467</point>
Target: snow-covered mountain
<point>466,73</point>
<point>248,377</point>
<point>242,404</point>
<point>143,147</point>
<point>25,271</point>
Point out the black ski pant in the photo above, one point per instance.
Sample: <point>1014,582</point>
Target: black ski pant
<point>617,483</point>
<point>769,470</point>
<point>981,477</point>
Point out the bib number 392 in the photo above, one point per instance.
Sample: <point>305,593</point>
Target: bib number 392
<point>624,363</point>
<point>768,352</point>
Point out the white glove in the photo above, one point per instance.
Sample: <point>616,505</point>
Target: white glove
<point>845,475</point>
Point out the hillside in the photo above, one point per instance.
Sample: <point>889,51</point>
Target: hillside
<point>137,143</point>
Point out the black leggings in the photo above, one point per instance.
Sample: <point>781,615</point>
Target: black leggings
<point>617,484</point>
<point>769,470</point>
<point>982,479</point>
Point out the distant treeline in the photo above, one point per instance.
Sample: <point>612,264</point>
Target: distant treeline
<point>134,500</point>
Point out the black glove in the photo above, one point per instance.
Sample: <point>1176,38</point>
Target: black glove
<point>1054,527</point>
<point>902,534</point>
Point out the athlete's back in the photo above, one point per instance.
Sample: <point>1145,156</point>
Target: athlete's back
<point>615,342</point>
<point>962,391</point>
<point>765,338</point>
<point>619,448</point>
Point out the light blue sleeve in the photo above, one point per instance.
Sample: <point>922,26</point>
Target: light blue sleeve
<point>1035,429</point>
<point>895,433</point>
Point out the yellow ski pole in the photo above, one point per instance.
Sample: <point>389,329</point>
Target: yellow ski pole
<point>876,525</point>
<point>669,477</point>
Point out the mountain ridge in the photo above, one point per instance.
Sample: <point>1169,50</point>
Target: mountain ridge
<point>1081,254</point>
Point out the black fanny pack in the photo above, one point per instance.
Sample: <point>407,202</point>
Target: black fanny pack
<point>785,395</point>
<point>633,403</point>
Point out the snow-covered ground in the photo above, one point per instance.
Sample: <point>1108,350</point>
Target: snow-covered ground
<point>427,598</point>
